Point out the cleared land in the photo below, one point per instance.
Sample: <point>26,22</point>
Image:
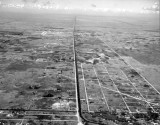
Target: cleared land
<point>118,61</point>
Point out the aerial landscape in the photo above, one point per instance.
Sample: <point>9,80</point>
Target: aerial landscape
<point>74,69</point>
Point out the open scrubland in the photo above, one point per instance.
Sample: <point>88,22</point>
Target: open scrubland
<point>118,62</point>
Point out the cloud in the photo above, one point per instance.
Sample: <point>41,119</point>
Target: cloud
<point>116,6</point>
<point>30,1</point>
<point>154,7</point>
<point>93,5</point>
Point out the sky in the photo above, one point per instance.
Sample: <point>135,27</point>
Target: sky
<point>86,5</point>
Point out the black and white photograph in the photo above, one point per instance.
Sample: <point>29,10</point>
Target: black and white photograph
<point>79,62</point>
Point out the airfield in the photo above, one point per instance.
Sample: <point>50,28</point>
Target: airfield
<point>73,69</point>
